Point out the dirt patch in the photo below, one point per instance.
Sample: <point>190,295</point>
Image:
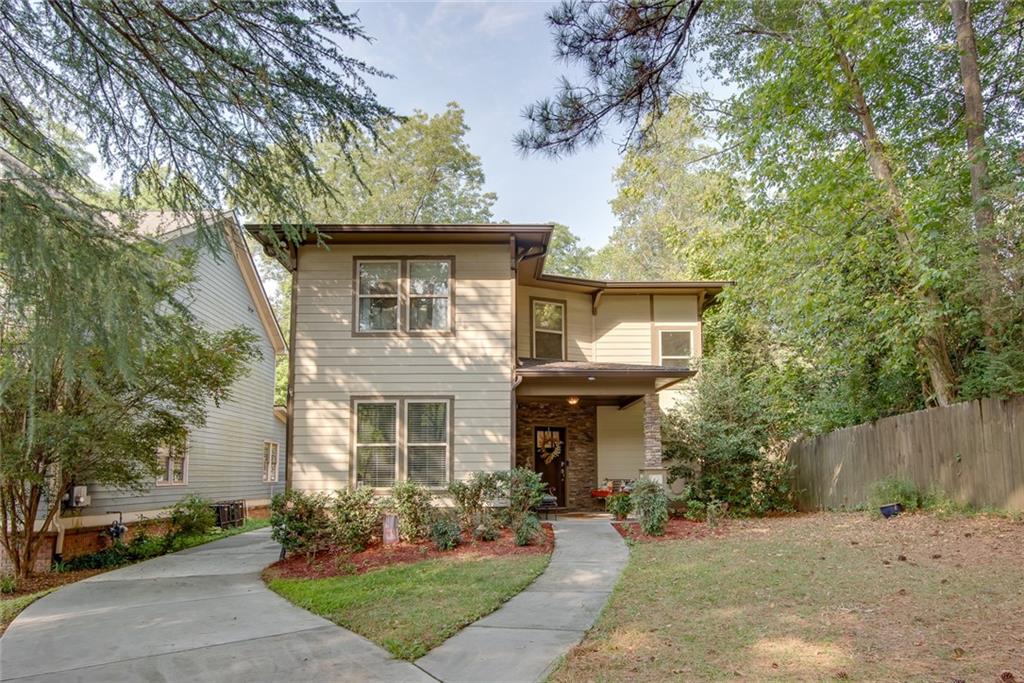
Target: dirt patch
<point>48,580</point>
<point>676,529</point>
<point>340,562</point>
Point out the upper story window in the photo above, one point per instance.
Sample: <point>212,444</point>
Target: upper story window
<point>410,295</point>
<point>172,464</point>
<point>549,329</point>
<point>676,348</point>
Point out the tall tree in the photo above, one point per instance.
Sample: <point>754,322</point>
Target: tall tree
<point>566,256</point>
<point>420,171</point>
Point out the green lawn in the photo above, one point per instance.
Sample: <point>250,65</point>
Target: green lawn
<point>185,542</point>
<point>816,597</point>
<point>410,609</point>
<point>11,607</point>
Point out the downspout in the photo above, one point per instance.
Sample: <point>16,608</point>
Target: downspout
<point>517,259</point>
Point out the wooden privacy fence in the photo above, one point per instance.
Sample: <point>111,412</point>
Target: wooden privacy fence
<point>972,451</point>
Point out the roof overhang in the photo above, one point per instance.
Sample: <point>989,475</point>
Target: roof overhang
<point>528,235</point>
<point>579,378</point>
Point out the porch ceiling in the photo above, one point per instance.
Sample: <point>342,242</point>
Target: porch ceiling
<point>621,382</point>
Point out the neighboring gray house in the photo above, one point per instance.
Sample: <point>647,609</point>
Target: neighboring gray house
<point>240,453</point>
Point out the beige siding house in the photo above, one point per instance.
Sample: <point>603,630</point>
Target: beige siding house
<point>428,352</point>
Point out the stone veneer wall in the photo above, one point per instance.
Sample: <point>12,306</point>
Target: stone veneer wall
<point>581,434</point>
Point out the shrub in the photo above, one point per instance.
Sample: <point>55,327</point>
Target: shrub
<point>524,489</point>
<point>650,503</point>
<point>486,530</point>
<point>445,533</point>
<point>191,516</point>
<point>471,497</point>
<point>412,504</point>
<point>619,505</point>
<point>357,518</point>
<point>301,522</point>
<point>8,583</point>
<point>940,503</point>
<point>696,510</point>
<point>894,490</point>
<point>714,510</point>
<point>527,530</point>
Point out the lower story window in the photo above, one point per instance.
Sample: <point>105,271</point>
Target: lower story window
<point>271,456</point>
<point>172,464</point>
<point>419,451</point>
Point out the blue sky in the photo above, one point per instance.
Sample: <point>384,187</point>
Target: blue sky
<point>493,59</point>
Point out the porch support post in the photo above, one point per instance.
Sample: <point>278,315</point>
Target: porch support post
<point>653,468</point>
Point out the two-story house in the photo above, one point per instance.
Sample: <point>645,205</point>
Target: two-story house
<point>428,352</point>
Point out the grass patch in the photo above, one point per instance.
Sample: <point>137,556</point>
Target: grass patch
<point>186,542</point>
<point>410,609</point>
<point>11,607</point>
<point>815,597</point>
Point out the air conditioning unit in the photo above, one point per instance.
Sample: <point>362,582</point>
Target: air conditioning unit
<point>79,497</point>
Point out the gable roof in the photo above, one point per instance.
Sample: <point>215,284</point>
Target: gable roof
<point>167,225</point>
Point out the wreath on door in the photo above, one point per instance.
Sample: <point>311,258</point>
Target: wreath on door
<point>549,445</point>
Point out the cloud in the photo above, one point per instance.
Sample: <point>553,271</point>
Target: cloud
<point>488,19</point>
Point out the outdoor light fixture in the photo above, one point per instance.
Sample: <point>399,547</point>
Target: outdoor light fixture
<point>573,400</point>
<point>591,379</point>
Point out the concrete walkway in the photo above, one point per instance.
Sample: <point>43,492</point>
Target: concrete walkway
<point>522,640</point>
<point>204,615</point>
<point>198,615</point>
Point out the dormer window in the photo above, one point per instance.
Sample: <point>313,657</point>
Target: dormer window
<point>404,295</point>
<point>548,329</point>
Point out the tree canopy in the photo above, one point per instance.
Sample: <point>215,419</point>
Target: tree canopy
<point>861,181</point>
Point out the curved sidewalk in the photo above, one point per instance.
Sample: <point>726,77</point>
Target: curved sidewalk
<point>198,615</point>
<point>522,640</point>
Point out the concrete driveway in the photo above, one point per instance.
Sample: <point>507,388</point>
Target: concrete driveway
<point>198,615</point>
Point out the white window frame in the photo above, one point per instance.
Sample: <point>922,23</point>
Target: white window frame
<point>661,347</point>
<point>167,478</point>
<point>533,325</point>
<point>409,296</point>
<point>270,474</point>
<point>447,443</point>
<point>360,297</point>
<point>398,436</point>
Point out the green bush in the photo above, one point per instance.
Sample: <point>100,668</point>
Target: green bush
<point>714,511</point>
<point>412,503</point>
<point>486,530</point>
<point>524,489</point>
<point>471,498</point>
<point>8,583</point>
<point>696,510</point>
<point>301,522</point>
<point>357,518</point>
<point>650,502</point>
<point>191,516</point>
<point>619,505</point>
<point>939,502</point>
<point>527,530</point>
<point>894,490</point>
<point>445,533</point>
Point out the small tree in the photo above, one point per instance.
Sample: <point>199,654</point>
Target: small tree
<point>67,420</point>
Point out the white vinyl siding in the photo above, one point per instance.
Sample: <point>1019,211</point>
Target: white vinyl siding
<point>622,329</point>
<point>332,365</point>
<point>620,442</point>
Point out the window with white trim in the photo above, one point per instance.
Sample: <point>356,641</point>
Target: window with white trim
<point>412,295</point>
<point>172,463</point>
<point>271,462</point>
<point>549,330</point>
<point>378,293</point>
<point>427,442</point>
<point>676,348</point>
<point>376,443</point>
<point>420,451</point>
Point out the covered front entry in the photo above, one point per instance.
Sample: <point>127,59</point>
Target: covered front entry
<point>583,425</point>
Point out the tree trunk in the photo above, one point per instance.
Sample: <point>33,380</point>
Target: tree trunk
<point>974,109</point>
<point>932,343</point>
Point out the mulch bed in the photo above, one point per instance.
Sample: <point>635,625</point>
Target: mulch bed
<point>339,562</point>
<point>676,529</point>
<point>42,581</point>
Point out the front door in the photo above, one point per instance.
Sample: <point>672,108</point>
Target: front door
<point>549,459</point>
